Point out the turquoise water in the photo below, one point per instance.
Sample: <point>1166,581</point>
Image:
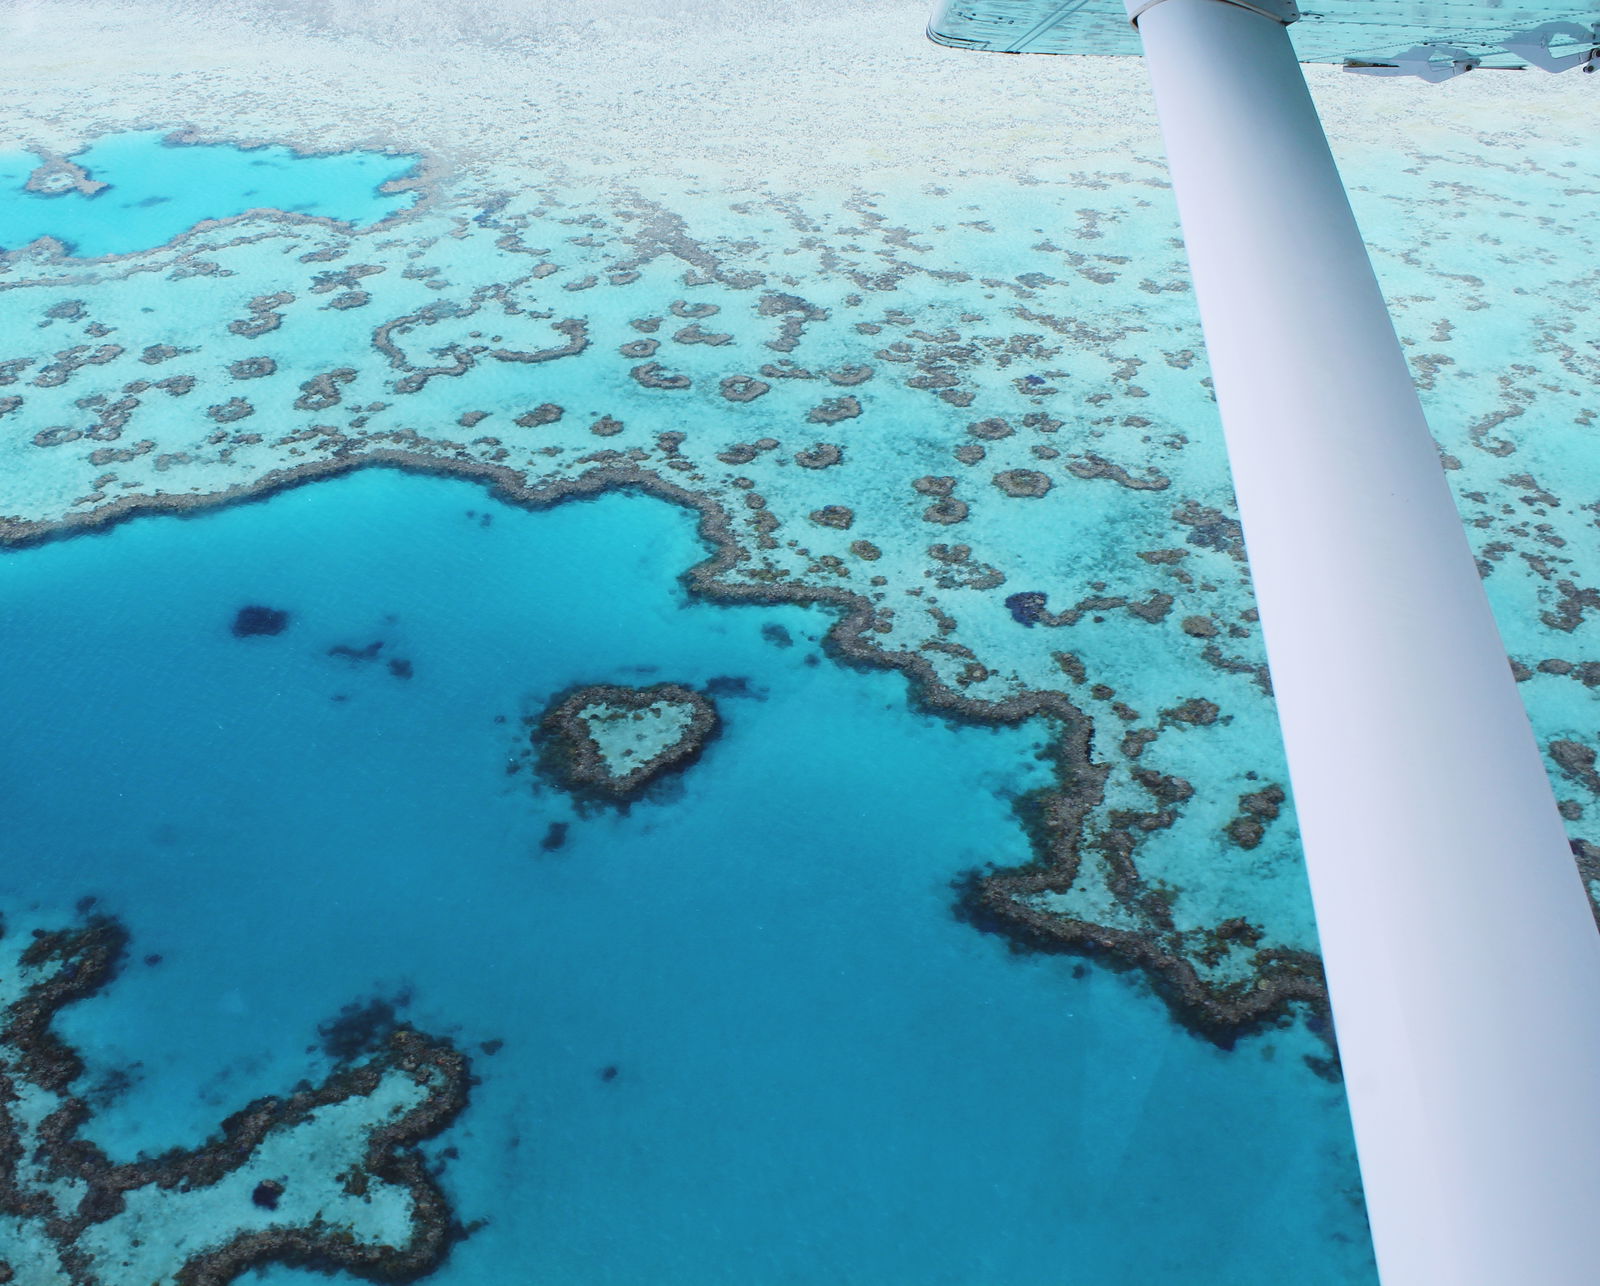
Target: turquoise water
<point>158,190</point>
<point>820,1075</point>
<point>735,1034</point>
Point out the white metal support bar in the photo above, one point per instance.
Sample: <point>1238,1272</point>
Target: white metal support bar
<point>1462,957</point>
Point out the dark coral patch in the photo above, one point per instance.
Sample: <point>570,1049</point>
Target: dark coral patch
<point>838,516</point>
<point>1023,483</point>
<point>571,755</point>
<point>1026,608</point>
<point>255,619</point>
<point>363,1027</point>
<point>824,455</point>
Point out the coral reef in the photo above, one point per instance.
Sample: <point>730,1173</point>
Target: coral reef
<point>327,1178</point>
<point>1101,567</point>
<point>609,743</point>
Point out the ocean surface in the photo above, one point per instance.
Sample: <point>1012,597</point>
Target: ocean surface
<point>821,1076</point>
<point>861,396</point>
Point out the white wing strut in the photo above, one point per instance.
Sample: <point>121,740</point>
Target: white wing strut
<point>1462,957</point>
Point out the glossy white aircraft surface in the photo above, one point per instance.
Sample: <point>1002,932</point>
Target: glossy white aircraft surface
<point>1354,32</point>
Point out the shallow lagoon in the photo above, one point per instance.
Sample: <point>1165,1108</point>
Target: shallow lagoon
<point>821,1075</point>
<point>158,189</point>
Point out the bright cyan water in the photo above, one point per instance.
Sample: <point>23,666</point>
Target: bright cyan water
<point>821,1076</point>
<point>157,190</point>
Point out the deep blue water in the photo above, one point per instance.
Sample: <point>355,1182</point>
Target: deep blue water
<point>159,190</point>
<point>822,1077</point>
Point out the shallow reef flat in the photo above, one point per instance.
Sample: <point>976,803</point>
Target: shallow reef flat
<point>326,1177</point>
<point>857,423</point>
<point>970,416</point>
<point>130,191</point>
<point>609,743</point>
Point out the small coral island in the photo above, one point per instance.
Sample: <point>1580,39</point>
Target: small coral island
<point>327,1178</point>
<point>608,743</point>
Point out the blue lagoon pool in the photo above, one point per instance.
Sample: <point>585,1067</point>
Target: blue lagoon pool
<point>134,191</point>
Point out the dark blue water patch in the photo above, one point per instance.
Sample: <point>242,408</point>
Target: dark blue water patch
<point>158,189</point>
<point>1027,607</point>
<point>254,619</point>
<point>731,1036</point>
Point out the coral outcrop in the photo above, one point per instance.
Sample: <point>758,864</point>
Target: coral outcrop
<point>608,742</point>
<point>326,1178</point>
